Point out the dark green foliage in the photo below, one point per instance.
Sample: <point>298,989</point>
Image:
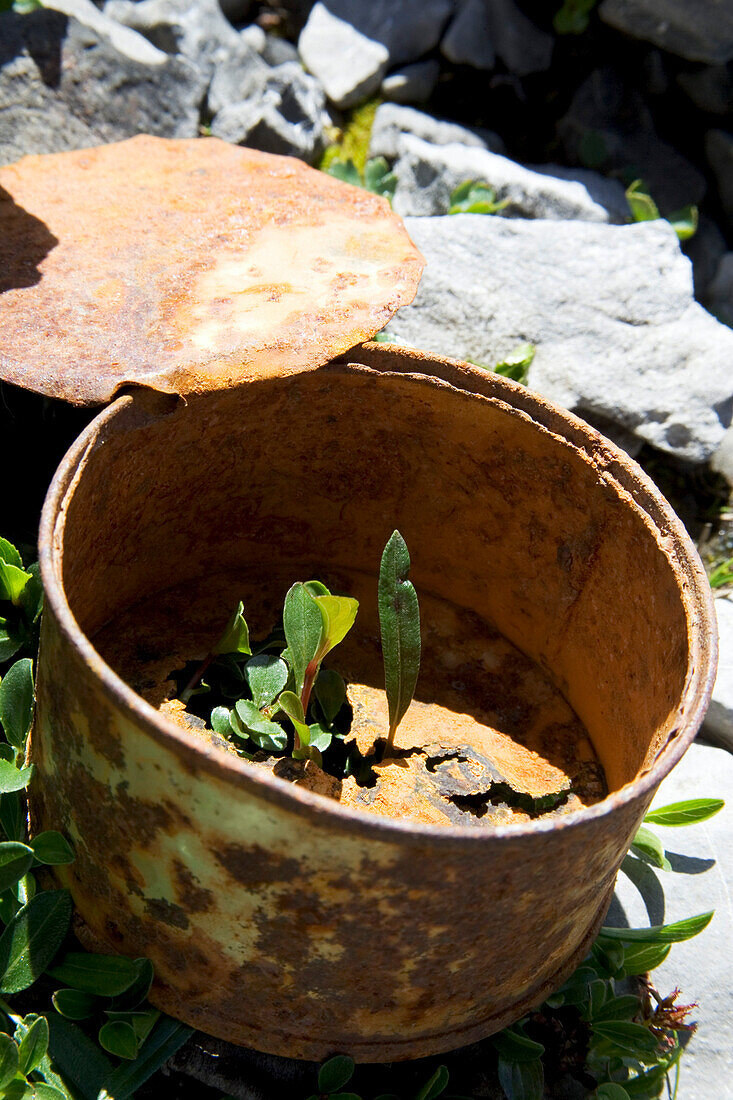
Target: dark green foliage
<point>475,197</point>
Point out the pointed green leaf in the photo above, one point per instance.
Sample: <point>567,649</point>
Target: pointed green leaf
<point>75,1005</point>
<point>291,705</point>
<point>639,958</point>
<point>689,812</point>
<point>12,582</point>
<point>335,1073</point>
<point>649,847</point>
<point>221,722</point>
<point>399,618</point>
<point>118,1038</point>
<point>15,861</point>
<point>617,1008</point>
<point>684,222</point>
<point>16,701</point>
<point>611,1091</point>
<point>642,206</point>
<point>235,638</point>
<point>33,1046</point>
<point>138,991</point>
<point>12,815</point>
<point>330,691</point>
<point>31,600</point>
<point>317,588</point>
<point>379,178</point>
<point>79,1058</point>
<point>12,778</point>
<point>514,1046</point>
<point>522,1080</point>
<point>661,933</point>
<point>436,1086</point>
<point>303,623</point>
<point>166,1038</point>
<point>12,638</point>
<point>339,613</point>
<point>633,1039</point>
<point>318,738</point>
<point>517,363</point>
<point>100,975</point>
<point>52,848</point>
<point>32,938</point>
<point>267,676</point>
<point>247,721</point>
<point>8,1059</point>
<point>9,555</point>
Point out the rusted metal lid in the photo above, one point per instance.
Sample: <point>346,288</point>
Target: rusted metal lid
<point>187,266</point>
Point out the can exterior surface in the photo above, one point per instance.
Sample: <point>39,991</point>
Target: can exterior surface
<point>275,918</point>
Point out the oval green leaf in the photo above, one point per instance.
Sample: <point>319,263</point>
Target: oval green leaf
<point>8,1059</point>
<point>119,1038</point>
<point>12,778</point>
<point>330,692</point>
<point>235,638</point>
<point>33,1046</point>
<point>611,1091</point>
<point>16,701</point>
<point>647,846</point>
<point>628,1038</point>
<point>690,812</point>
<point>513,1046</point>
<point>266,675</point>
<point>522,1080</point>
<point>75,1005</point>
<point>248,722</point>
<point>436,1086</point>
<point>100,975</point>
<point>12,815</point>
<point>335,1073</point>
<point>338,613</point>
<point>14,863</point>
<point>52,848</point>
<point>32,939</point>
<point>303,624</point>
<point>9,555</point>
<point>640,958</point>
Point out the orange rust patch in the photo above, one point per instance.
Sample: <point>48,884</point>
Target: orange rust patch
<point>187,266</point>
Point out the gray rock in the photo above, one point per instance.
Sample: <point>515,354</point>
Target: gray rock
<point>277,50</point>
<point>284,114</point>
<point>719,721</point>
<point>481,30</point>
<point>699,31</point>
<point>349,45</point>
<point>236,79</point>
<point>719,293</point>
<point>710,89</point>
<point>619,338</point>
<point>392,120</point>
<point>702,861</point>
<point>412,84</point>
<point>609,126</point>
<point>63,87</point>
<point>123,39</point>
<point>719,150</point>
<point>722,460</point>
<point>427,174</point>
<point>199,31</point>
<point>255,38</point>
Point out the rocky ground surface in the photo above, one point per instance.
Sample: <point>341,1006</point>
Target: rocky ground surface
<point>557,108</point>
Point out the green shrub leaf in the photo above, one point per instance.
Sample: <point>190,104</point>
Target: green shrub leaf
<point>522,1080</point>
<point>33,1046</point>
<point>15,861</point>
<point>436,1086</point>
<point>9,555</point>
<point>12,583</point>
<point>235,638</point>
<point>75,1005</point>
<point>12,815</point>
<point>52,848</point>
<point>8,1059</point>
<point>399,618</point>
<point>267,676</point>
<point>118,1038</point>
<point>513,1046</point>
<point>303,623</point>
<point>166,1038</point>
<point>335,1073</point>
<point>32,938</point>
<point>12,778</point>
<point>338,613</point>
<point>638,958</point>
<point>642,206</point>
<point>16,701</point>
<point>611,1091</point>
<point>690,812</point>
<point>633,1039</point>
<point>649,847</point>
<point>330,691</point>
<point>248,722</point>
<point>660,933</point>
<point>100,975</point>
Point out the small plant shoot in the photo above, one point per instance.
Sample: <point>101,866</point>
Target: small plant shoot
<point>399,619</point>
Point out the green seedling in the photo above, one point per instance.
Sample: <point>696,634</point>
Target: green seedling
<point>399,618</point>
<point>644,209</point>
<point>475,197</point>
<point>377,176</point>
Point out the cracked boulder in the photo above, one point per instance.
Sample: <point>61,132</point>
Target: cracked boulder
<point>284,112</point>
<point>619,337</point>
<point>62,86</point>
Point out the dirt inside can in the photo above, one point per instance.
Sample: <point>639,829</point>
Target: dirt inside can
<point>488,739</point>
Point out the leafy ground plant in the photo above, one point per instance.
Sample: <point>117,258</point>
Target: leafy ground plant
<point>515,365</point>
<point>475,197</point>
<point>276,698</point>
<point>375,177</point>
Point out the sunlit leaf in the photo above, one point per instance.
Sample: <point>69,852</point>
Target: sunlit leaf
<point>33,1045</point>
<point>399,617</point>
<point>649,847</point>
<point>247,721</point>
<point>15,861</point>
<point>52,848</point>
<point>16,701</point>
<point>690,812</point>
<point>642,206</point>
<point>235,638</point>
<point>100,975</point>
<point>661,933</point>
<point>303,623</point>
<point>32,938</point>
<point>266,675</point>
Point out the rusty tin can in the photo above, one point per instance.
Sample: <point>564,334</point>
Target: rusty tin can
<point>277,918</point>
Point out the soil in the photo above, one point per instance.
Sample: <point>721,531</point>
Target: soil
<point>488,740</point>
